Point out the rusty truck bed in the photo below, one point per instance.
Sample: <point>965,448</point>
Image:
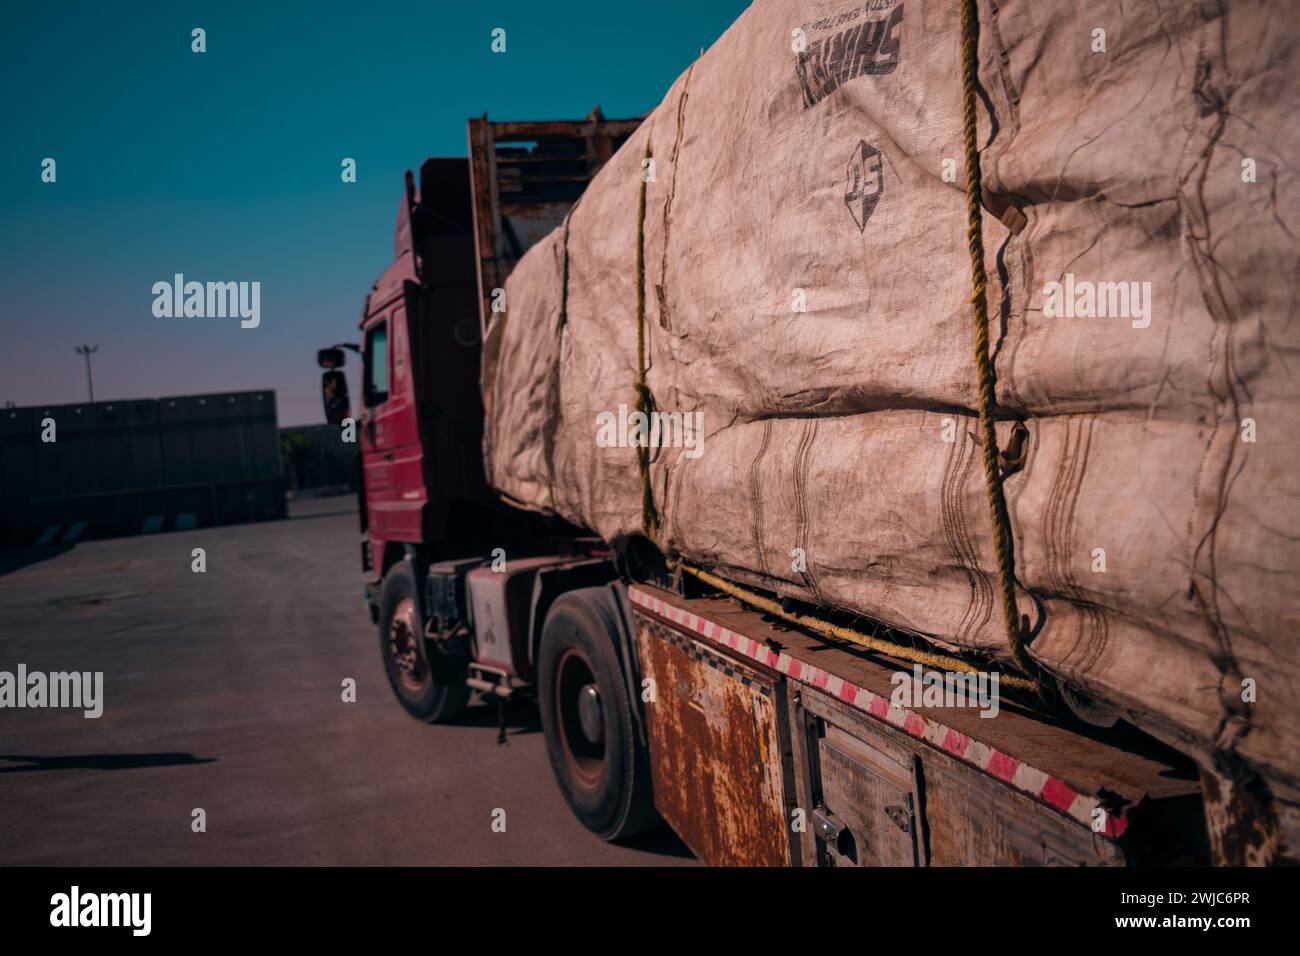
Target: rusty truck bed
<point>1089,783</point>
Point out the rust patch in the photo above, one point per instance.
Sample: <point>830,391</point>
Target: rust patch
<point>1239,814</point>
<point>715,755</point>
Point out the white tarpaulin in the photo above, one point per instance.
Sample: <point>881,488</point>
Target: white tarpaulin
<point>808,293</point>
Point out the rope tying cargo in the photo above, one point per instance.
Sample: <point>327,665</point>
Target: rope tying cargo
<point>644,398</point>
<point>1002,540</point>
<point>826,629</point>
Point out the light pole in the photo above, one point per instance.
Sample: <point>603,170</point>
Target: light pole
<point>90,382</point>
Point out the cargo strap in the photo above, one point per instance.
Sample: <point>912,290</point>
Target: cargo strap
<point>1002,541</point>
<point>826,629</point>
<point>644,399</point>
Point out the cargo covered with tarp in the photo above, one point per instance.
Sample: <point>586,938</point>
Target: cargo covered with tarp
<point>807,287</point>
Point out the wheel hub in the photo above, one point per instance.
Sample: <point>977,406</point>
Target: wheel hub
<point>580,718</point>
<point>403,637</point>
<point>590,714</point>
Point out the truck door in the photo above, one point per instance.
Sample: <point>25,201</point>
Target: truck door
<point>864,791</point>
<point>719,748</point>
<point>391,452</point>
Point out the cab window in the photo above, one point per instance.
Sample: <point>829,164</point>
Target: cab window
<point>377,364</point>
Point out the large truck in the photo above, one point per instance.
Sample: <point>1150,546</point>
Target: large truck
<point>758,737</point>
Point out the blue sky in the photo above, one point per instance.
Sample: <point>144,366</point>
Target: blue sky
<point>225,165</point>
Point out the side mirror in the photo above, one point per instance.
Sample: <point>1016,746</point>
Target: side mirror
<point>334,394</point>
<point>330,358</point>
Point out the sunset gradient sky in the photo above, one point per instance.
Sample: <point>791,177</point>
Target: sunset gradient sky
<point>224,166</point>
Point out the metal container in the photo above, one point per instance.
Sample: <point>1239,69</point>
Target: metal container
<point>114,464</point>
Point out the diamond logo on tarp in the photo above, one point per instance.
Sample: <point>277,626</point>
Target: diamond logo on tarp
<point>866,182</point>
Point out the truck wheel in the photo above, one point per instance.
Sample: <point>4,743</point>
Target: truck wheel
<point>429,684</point>
<point>602,768</point>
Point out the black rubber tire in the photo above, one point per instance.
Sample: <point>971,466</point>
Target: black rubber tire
<point>584,624</point>
<point>446,693</point>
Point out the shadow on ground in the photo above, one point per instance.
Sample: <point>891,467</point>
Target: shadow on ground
<point>28,763</point>
<point>521,717</point>
<point>15,559</point>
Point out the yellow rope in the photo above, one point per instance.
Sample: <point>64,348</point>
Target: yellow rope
<point>644,400</point>
<point>1002,541</point>
<point>826,629</point>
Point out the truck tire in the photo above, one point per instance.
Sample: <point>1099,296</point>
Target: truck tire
<point>428,683</point>
<point>600,764</point>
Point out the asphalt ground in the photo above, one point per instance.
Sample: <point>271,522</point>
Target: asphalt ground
<point>223,691</point>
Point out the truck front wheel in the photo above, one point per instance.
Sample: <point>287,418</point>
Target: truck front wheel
<point>428,683</point>
<point>602,768</point>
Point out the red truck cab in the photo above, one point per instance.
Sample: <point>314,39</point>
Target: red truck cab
<point>420,416</point>
<point>460,583</point>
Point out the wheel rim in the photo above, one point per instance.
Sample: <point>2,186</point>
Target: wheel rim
<point>579,715</point>
<point>403,647</point>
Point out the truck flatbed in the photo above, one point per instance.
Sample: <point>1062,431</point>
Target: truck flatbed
<point>1072,771</point>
